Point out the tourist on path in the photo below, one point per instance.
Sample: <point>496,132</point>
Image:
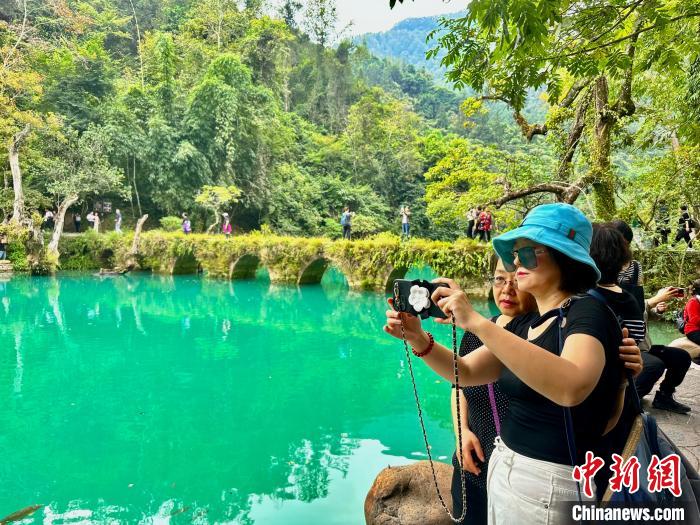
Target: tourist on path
<point>657,359</point>
<point>118,221</point>
<point>186,224</point>
<point>472,216</point>
<point>484,225</point>
<point>77,220</point>
<point>405,225</point>
<point>685,227</point>
<point>346,222</point>
<point>226,226</point>
<point>553,266</point>
<point>691,314</point>
<point>662,224</point>
<point>94,218</point>
<point>48,220</point>
<point>610,250</point>
<point>3,247</point>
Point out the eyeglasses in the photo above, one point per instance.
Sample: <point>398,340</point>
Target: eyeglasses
<point>527,255</point>
<point>500,282</point>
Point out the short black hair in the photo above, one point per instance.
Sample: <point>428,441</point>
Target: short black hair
<point>684,207</point>
<point>610,251</point>
<point>576,277</point>
<point>695,287</point>
<point>624,229</point>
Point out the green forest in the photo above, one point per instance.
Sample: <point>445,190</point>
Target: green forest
<point>265,111</point>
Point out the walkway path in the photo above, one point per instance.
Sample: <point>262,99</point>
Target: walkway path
<point>683,430</point>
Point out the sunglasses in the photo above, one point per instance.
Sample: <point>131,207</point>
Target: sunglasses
<point>527,255</point>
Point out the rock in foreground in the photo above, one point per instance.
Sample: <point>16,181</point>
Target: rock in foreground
<point>406,496</point>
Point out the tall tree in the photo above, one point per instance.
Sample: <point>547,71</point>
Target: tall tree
<point>584,55</point>
<point>77,166</point>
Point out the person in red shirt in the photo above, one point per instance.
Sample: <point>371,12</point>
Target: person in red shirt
<point>484,224</point>
<point>691,313</point>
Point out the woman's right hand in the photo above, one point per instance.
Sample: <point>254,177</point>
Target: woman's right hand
<point>413,331</point>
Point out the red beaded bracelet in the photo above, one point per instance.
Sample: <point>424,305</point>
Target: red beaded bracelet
<point>425,352</point>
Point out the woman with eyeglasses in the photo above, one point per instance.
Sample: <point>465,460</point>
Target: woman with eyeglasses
<point>482,408</point>
<point>530,470</point>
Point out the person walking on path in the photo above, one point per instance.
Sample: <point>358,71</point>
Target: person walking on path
<point>118,221</point>
<point>472,216</point>
<point>226,226</point>
<point>96,221</point>
<point>3,247</point>
<point>485,223</point>
<point>186,224</point>
<point>405,225</point>
<point>346,222</point>
<point>48,220</point>
<point>77,220</point>
<point>685,227</point>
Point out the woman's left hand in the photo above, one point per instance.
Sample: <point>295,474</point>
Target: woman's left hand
<point>455,303</point>
<point>630,354</point>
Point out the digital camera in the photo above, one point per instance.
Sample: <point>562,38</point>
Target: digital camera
<point>413,297</point>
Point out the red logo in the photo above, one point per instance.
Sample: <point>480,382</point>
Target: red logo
<point>625,474</point>
<point>584,474</point>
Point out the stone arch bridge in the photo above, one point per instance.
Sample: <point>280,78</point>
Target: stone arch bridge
<point>370,264</point>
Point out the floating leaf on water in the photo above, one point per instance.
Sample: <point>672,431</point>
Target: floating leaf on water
<point>16,516</point>
<point>179,511</point>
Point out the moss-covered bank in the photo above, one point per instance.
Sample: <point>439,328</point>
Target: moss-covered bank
<point>368,264</point>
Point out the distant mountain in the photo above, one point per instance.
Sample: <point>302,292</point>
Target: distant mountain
<point>406,41</point>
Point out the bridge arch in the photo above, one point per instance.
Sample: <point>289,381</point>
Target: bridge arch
<point>398,272</point>
<point>244,267</point>
<point>184,264</point>
<point>313,272</point>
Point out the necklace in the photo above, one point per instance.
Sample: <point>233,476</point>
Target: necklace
<point>459,423</point>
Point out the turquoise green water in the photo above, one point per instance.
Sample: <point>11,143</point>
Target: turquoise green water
<point>180,400</point>
<point>144,399</point>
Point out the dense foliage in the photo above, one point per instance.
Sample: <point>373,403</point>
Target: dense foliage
<point>261,109</point>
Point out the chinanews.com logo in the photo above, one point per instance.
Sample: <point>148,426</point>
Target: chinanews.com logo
<point>661,474</point>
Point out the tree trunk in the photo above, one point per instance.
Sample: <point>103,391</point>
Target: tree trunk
<point>136,190</point>
<point>18,206</point>
<point>137,235</point>
<point>601,175</point>
<point>216,222</point>
<point>60,218</point>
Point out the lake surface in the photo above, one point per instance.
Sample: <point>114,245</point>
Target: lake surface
<point>147,399</point>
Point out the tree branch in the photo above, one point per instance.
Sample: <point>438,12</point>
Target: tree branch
<point>529,130</point>
<point>550,187</point>
<point>574,92</point>
<point>6,60</point>
<point>624,106</point>
<point>617,40</point>
<point>575,134</point>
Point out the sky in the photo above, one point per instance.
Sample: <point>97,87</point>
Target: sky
<point>372,16</point>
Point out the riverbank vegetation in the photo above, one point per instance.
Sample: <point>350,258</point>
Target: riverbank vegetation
<point>264,110</point>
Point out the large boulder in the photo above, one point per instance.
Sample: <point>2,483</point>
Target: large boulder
<point>406,496</point>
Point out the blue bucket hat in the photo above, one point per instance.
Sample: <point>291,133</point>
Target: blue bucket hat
<point>562,227</point>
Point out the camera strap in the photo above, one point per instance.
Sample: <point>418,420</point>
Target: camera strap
<point>459,423</point>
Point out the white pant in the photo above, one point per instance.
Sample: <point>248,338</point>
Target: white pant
<point>527,491</point>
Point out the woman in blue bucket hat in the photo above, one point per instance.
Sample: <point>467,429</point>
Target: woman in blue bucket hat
<point>530,473</point>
